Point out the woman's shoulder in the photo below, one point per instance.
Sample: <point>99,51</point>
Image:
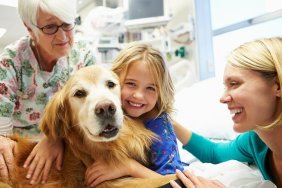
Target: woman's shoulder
<point>16,48</point>
<point>21,43</point>
<point>251,135</point>
<point>17,53</point>
<point>251,140</point>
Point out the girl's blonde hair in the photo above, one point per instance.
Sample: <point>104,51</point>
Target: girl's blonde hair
<point>65,10</point>
<point>145,53</point>
<point>263,56</point>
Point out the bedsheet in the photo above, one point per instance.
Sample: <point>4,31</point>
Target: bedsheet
<point>233,174</point>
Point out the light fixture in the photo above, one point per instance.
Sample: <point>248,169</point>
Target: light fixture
<point>2,32</point>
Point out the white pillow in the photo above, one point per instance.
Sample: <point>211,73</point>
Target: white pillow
<point>198,108</point>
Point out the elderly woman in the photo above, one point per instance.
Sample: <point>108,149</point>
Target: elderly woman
<point>31,70</point>
<point>253,82</point>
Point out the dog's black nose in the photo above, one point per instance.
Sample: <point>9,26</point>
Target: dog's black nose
<point>105,109</point>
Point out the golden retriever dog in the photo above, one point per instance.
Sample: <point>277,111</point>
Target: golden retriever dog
<point>86,114</point>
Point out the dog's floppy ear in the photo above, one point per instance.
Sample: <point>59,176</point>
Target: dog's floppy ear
<point>55,116</point>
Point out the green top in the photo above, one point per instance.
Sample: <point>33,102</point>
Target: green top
<point>247,147</point>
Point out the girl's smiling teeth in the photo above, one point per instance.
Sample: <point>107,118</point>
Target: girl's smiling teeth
<point>135,104</point>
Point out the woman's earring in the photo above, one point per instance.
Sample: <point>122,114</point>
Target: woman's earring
<point>32,43</point>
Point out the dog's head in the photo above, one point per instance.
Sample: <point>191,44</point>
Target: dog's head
<point>89,103</point>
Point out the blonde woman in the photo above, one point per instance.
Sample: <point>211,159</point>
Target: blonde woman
<point>253,81</point>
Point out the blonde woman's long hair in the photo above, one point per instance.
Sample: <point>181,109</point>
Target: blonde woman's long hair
<point>145,53</point>
<point>263,56</point>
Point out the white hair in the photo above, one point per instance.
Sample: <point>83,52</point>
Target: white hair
<point>65,10</point>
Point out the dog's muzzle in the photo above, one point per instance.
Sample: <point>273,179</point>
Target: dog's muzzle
<point>105,111</point>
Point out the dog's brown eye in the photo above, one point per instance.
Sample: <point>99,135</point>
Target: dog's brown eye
<point>111,84</point>
<point>80,93</point>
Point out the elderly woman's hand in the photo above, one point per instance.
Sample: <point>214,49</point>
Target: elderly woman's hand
<point>192,181</point>
<point>6,157</point>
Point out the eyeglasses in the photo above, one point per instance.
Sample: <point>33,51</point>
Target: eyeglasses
<point>53,28</point>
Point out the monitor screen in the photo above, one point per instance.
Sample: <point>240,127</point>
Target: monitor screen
<point>145,9</point>
<point>145,13</point>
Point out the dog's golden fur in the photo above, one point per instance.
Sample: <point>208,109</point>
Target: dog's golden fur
<point>86,114</point>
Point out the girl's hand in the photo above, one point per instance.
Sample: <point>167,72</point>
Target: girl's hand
<point>41,159</point>
<point>99,172</point>
<point>191,181</point>
<point>6,157</point>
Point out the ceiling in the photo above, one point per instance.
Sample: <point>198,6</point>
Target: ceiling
<point>10,20</point>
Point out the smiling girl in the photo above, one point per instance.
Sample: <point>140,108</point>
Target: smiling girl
<point>147,94</point>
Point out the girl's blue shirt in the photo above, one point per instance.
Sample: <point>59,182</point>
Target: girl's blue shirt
<point>165,156</point>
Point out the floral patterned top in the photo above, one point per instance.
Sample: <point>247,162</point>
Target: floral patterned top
<point>24,90</point>
<point>165,157</point>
